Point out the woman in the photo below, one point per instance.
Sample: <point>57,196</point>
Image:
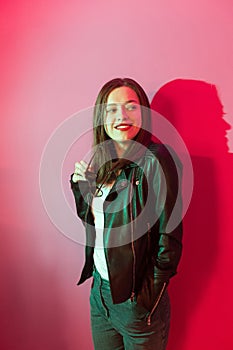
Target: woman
<point>125,197</point>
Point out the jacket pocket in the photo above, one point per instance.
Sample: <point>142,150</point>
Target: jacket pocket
<point>156,303</point>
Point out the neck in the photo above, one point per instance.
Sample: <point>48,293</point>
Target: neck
<point>121,147</point>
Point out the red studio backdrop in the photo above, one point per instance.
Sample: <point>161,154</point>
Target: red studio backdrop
<point>55,56</point>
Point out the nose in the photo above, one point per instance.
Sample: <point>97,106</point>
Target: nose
<point>122,115</point>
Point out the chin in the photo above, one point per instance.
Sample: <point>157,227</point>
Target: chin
<point>125,139</point>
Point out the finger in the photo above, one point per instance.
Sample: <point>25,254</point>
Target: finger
<point>78,167</point>
<point>84,165</point>
<point>79,174</point>
<point>80,171</point>
<point>77,177</point>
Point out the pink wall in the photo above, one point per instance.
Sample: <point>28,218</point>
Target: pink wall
<point>55,55</point>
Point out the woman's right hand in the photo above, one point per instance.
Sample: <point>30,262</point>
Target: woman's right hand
<point>79,171</point>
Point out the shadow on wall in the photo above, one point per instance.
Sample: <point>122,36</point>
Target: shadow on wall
<point>194,108</point>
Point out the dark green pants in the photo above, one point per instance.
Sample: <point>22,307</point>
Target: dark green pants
<point>124,326</point>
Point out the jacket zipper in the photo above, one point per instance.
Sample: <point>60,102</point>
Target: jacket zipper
<point>148,320</point>
<point>132,240</point>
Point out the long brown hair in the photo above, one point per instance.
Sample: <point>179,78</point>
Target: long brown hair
<point>105,160</point>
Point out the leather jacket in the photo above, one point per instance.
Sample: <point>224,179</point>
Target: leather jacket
<point>142,254</point>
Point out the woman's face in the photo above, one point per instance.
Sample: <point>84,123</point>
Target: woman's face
<point>123,118</point>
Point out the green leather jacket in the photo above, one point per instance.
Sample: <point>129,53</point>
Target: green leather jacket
<point>142,252</point>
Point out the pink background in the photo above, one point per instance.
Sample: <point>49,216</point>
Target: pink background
<point>55,55</point>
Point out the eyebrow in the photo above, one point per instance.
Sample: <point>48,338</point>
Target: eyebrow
<point>129,101</point>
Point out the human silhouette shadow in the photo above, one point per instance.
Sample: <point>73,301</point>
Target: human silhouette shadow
<point>195,110</point>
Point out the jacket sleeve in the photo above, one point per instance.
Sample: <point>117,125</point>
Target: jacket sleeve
<point>167,189</point>
<point>81,192</point>
<point>82,196</point>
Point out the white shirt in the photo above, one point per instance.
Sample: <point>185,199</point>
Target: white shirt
<point>97,210</point>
